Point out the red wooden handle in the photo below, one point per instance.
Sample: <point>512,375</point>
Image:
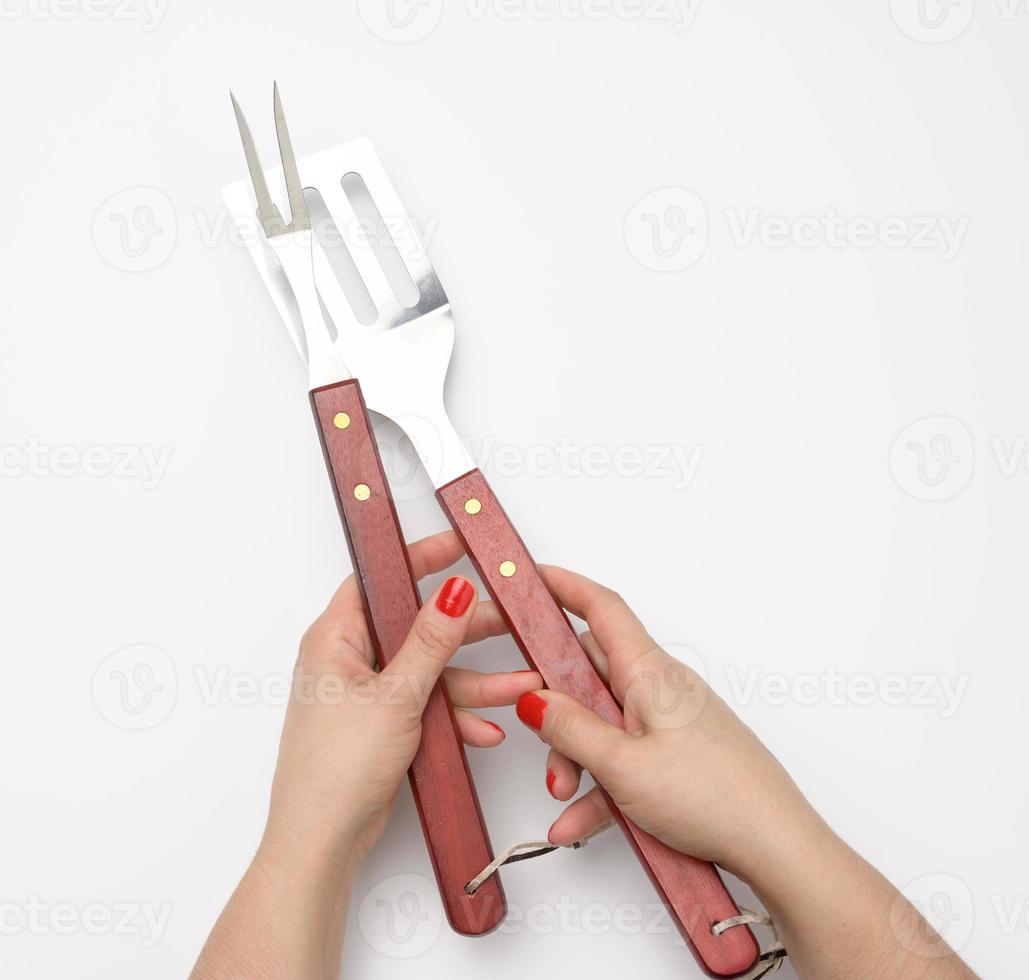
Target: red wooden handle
<point>448,807</point>
<point>692,889</point>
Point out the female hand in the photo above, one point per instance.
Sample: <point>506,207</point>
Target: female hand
<point>351,732</point>
<point>689,771</point>
<point>349,737</point>
<point>685,768</point>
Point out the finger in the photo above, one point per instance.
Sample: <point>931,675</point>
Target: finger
<point>343,623</point>
<point>472,689</point>
<point>585,816</point>
<point>339,634</point>
<point>486,622</point>
<point>434,553</point>
<point>575,731</point>
<point>563,776</point>
<point>476,731</point>
<point>597,656</point>
<point>612,623</point>
<point>438,630</point>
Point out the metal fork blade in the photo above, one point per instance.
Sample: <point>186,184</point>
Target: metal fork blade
<point>301,221</point>
<point>267,212</point>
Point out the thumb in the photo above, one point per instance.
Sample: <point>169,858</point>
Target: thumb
<point>573,730</point>
<point>436,635</point>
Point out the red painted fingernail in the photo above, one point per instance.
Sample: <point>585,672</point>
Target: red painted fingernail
<point>551,779</point>
<point>530,709</point>
<point>497,727</point>
<point>455,597</point>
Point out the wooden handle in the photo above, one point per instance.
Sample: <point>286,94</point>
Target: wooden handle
<point>448,807</point>
<point>692,889</point>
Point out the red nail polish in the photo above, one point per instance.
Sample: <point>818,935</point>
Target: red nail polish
<point>551,779</point>
<point>455,597</point>
<point>497,727</point>
<point>530,709</point>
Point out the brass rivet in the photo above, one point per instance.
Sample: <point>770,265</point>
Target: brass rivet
<point>508,568</point>
<point>472,506</point>
<point>341,421</point>
<point>362,491</point>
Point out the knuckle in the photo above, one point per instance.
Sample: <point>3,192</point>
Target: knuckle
<point>613,598</point>
<point>605,602</point>
<point>431,638</point>
<point>312,636</point>
<point>563,727</point>
<point>610,598</point>
<point>315,652</point>
<point>621,757</point>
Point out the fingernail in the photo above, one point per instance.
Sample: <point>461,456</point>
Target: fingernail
<point>497,728</point>
<point>530,709</point>
<point>551,779</point>
<point>455,597</point>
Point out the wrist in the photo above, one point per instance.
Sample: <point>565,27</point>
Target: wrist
<point>829,905</point>
<point>286,918</point>
<point>290,860</point>
<point>784,850</point>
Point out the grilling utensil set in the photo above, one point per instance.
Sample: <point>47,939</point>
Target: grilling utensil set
<point>401,361</point>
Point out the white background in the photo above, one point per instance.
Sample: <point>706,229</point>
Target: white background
<point>785,368</point>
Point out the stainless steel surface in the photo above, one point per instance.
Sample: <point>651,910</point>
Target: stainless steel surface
<point>292,245</point>
<point>294,189</point>
<point>403,355</point>
<point>267,212</point>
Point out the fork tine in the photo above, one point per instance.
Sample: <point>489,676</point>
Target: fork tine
<point>294,189</point>
<point>268,213</point>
